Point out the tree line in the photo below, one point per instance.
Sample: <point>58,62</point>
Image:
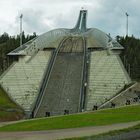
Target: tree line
<point>131,55</point>
<point>9,43</point>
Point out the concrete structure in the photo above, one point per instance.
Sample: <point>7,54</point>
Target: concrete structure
<point>66,71</point>
<point>107,77</point>
<point>22,80</point>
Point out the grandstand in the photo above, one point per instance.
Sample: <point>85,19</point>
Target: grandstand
<point>23,79</point>
<point>65,71</point>
<point>106,78</point>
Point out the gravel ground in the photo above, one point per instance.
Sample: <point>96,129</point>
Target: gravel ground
<point>133,135</point>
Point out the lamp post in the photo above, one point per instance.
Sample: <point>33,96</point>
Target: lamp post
<point>126,23</point>
<point>21,16</point>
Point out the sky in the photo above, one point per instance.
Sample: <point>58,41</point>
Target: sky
<point>43,15</point>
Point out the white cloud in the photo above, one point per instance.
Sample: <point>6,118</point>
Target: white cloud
<point>43,15</point>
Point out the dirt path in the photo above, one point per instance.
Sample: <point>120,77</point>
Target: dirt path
<point>63,133</point>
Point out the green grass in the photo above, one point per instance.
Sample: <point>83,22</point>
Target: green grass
<point>6,104</point>
<point>5,101</point>
<point>101,117</point>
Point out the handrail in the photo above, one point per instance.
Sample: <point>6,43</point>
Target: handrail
<point>45,75</point>
<point>121,91</point>
<point>88,55</point>
<point>84,79</point>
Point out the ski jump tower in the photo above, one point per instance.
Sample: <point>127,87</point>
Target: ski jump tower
<point>65,71</point>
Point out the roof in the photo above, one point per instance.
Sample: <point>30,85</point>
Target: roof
<point>95,38</point>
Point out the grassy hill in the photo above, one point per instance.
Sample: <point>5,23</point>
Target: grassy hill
<point>8,109</point>
<point>101,117</point>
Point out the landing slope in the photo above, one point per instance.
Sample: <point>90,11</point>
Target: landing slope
<point>63,89</point>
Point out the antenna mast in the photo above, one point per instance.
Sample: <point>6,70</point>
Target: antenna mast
<point>127,23</point>
<point>21,16</point>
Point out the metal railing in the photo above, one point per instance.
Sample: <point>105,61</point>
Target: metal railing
<point>120,92</point>
<point>45,81</point>
<point>84,79</point>
<point>43,84</point>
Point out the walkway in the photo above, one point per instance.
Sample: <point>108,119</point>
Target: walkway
<point>64,133</point>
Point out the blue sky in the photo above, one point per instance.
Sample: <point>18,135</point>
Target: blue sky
<point>43,15</point>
